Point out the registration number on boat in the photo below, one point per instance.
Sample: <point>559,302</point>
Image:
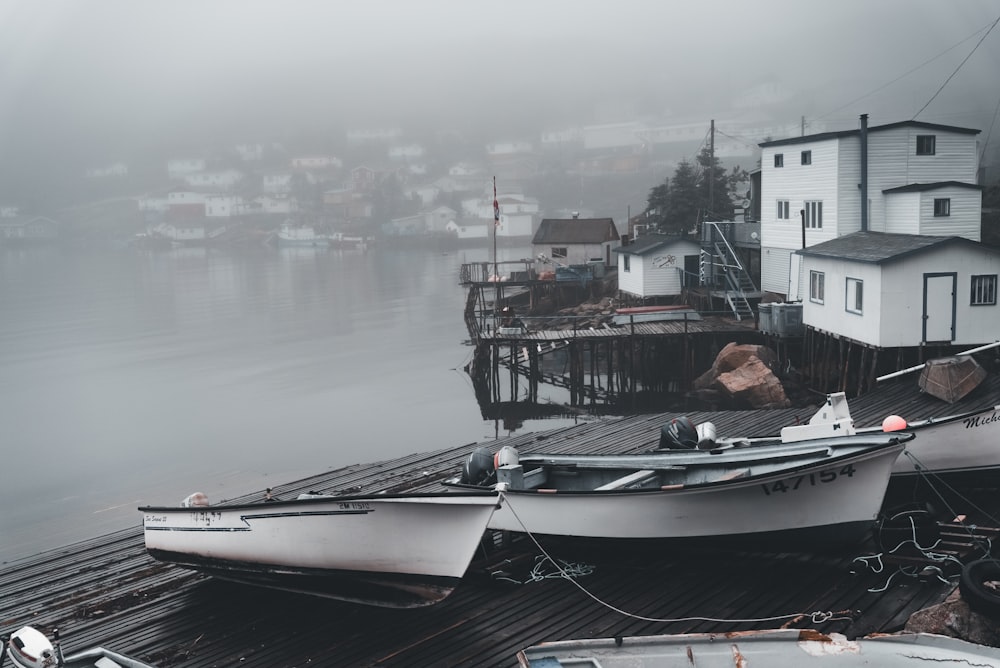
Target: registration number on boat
<point>810,480</point>
<point>356,505</point>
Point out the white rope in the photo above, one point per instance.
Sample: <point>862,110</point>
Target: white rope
<point>817,617</point>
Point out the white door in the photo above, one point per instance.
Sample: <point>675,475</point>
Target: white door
<point>796,289</point>
<point>939,308</point>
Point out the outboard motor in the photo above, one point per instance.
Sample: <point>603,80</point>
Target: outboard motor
<point>29,648</point>
<point>679,434</point>
<point>505,456</point>
<point>706,436</point>
<point>478,467</point>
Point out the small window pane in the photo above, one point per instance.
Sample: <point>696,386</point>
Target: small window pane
<point>942,207</point>
<point>984,290</point>
<point>926,144</point>
<point>807,157</point>
<point>779,160</point>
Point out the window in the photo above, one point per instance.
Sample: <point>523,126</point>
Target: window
<point>783,209</point>
<point>925,144</point>
<point>559,251</point>
<point>942,207</point>
<point>855,295</point>
<point>816,291</point>
<point>984,290</point>
<point>807,157</point>
<point>627,265</point>
<point>814,214</point>
<point>779,159</point>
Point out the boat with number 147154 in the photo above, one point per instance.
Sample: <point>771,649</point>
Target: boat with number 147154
<point>817,492</point>
<point>390,550</point>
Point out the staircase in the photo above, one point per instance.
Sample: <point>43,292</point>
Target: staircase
<point>720,269</point>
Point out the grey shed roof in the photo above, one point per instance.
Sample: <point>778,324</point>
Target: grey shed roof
<point>875,128</point>
<point>576,231</point>
<point>648,244</point>
<point>921,187</point>
<point>879,247</point>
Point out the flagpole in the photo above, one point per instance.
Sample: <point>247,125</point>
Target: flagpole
<point>496,273</point>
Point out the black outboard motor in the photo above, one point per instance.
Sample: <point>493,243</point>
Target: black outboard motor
<point>478,467</point>
<point>678,434</point>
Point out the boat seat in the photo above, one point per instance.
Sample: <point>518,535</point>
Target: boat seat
<point>632,479</point>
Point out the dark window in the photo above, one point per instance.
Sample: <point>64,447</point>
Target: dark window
<point>783,209</point>
<point>627,264</point>
<point>814,214</point>
<point>559,251</point>
<point>855,295</point>
<point>779,159</point>
<point>984,290</point>
<point>816,287</point>
<point>925,144</point>
<point>942,206</point>
<point>807,157</point>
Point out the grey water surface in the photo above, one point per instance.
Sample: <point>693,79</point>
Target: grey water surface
<point>132,377</point>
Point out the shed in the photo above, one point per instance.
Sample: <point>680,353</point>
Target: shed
<point>576,241</point>
<point>900,290</point>
<point>657,265</point>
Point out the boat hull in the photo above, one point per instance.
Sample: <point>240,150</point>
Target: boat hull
<point>789,648</point>
<point>832,501</point>
<point>393,551</point>
<point>967,443</point>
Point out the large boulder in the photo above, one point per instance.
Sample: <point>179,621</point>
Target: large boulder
<point>745,375</point>
<point>753,384</point>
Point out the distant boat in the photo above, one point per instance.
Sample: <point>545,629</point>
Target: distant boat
<point>390,550</point>
<point>290,234</point>
<point>786,648</point>
<point>30,648</point>
<point>817,492</point>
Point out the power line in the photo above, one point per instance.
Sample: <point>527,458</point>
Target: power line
<point>903,76</point>
<point>958,68</point>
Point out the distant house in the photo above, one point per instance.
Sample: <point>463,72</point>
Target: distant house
<point>900,290</point>
<point>178,168</point>
<point>15,229</point>
<point>657,266</point>
<point>277,182</point>
<point>571,241</point>
<point>920,179</point>
<point>223,179</point>
<point>477,229</point>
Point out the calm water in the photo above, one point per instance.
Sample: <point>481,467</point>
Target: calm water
<point>130,377</point>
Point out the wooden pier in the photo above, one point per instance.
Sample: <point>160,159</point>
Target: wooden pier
<point>108,591</point>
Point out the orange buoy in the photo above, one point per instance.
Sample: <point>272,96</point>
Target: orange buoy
<point>893,423</point>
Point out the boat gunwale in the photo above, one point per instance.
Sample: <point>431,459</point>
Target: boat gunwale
<point>751,479</point>
<point>483,493</point>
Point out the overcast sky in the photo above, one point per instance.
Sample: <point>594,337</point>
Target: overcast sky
<point>114,73</point>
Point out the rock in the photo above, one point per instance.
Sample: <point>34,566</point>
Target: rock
<point>954,618</point>
<point>753,384</point>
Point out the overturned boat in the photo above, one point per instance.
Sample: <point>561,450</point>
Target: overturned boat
<point>816,492</point>
<point>403,550</point>
<point>789,648</point>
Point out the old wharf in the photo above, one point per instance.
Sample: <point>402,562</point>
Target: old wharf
<point>108,591</point>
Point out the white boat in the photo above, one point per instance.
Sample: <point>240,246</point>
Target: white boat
<point>786,648</point>
<point>961,443</point>
<point>30,648</point>
<point>817,492</point>
<point>388,550</point>
<point>290,234</point>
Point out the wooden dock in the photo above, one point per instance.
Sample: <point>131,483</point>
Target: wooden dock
<point>108,591</point>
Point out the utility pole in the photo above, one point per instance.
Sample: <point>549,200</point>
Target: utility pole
<point>711,165</point>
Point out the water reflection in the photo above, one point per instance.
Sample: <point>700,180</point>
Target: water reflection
<point>130,376</point>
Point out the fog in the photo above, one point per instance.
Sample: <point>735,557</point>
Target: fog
<point>92,80</point>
